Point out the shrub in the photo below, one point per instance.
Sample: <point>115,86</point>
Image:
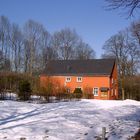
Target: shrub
<point>24,90</point>
<point>61,93</point>
<point>78,93</point>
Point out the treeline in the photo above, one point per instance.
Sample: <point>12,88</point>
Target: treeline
<point>125,47</point>
<point>10,83</point>
<point>28,49</point>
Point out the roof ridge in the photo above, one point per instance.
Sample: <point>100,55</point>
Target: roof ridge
<point>90,66</point>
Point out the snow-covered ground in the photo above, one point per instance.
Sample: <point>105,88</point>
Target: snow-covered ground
<point>81,120</point>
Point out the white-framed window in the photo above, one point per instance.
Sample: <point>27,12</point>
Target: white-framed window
<point>79,79</point>
<point>68,79</point>
<point>95,91</point>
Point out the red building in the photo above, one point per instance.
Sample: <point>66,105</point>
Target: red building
<point>100,75</point>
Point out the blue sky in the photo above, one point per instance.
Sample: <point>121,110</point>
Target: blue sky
<point>88,17</point>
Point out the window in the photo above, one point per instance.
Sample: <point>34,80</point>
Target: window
<point>79,79</point>
<point>95,91</point>
<point>68,79</point>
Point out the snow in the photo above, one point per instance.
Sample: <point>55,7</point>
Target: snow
<point>79,120</point>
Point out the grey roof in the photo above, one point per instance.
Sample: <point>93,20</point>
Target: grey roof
<point>80,67</point>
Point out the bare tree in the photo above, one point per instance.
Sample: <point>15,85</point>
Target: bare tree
<point>65,42</point>
<point>84,51</point>
<point>48,52</point>
<point>4,37</point>
<point>4,63</point>
<point>126,52</point>
<point>135,29</point>
<point>28,49</point>
<point>130,5</point>
<point>1,61</point>
<point>16,39</point>
<point>32,34</point>
<point>69,45</point>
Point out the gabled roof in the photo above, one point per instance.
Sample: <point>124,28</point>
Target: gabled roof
<point>80,67</point>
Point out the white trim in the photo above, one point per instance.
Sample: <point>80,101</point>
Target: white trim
<point>78,79</point>
<point>66,79</point>
<point>98,91</point>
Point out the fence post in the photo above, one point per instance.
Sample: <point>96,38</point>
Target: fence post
<point>103,133</point>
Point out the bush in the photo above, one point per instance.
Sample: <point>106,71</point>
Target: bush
<point>24,90</point>
<point>61,93</point>
<point>77,93</point>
